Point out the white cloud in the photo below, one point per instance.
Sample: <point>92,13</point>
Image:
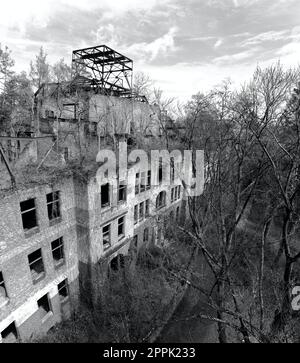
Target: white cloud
<point>266,37</point>
<point>140,52</point>
<point>18,12</point>
<point>233,58</point>
<point>289,54</point>
<point>158,47</point>
<point>218,43</point>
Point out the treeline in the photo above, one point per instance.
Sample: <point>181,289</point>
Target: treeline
<point>17,89</point>
<point>246,223</point>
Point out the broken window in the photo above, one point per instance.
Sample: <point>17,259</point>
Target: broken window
<point>148,180</point>
<point>137,183</point>
<point>122,191</point>
<point>121,226</point>
<point>160,172</point>
<point>161,200</point>
<point>172,195</point>
<point>117,262</point>
<point>105,195</point>
<point>36,265</point>
<point>179,192</point>
<point>147,208</point>
<point>141,211</point>
<point>10,334</point>
<point>177,213</point>
<point>63,290</point>
<point>58,251</point>
<point>135,241</point>
<point>106,236</point>
<point>66,154</point>
<point>44,306</point>
<point>53,205</point>
<point>172,171</point>
<point>146,234</point>
<point>28,212</point>
<point>143,182</point>
<point>3,292</point>
<point>136,213</point>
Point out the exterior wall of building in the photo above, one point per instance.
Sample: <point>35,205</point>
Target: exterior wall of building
<point>15,246</point>
<point>119,115</point>
<point>82,217</point>
<point>108,115</point>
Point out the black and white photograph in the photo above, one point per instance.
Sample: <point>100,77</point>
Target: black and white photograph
<point>149,174</point>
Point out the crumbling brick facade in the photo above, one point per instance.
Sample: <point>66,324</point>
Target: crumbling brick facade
<point>58,236</point>
<point>22,290</point>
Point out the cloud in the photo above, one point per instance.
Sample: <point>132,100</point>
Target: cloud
<point>184,45</point>
<point>159,47</point>
<point>218,43</point>
<point>269,36</point>
<point>234,58</point>
<point>143,51</point>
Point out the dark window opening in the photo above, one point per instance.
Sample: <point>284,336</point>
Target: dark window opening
<point>141,217</point>
<point>122,193</point>
<point>57,247</point>
<point>28,212</point>
<point>63,290</point>
<point>105,195</point>
<point>53,205</point>
<point>106,236</point>
<point>148,179</point>
<point>121,226</point>
<point>172,171</point>
<point>44,306</point>
<point>36,264</point>
<point>117,263</point>
<point>160,172</point>
<point>3,292</point>
<point>161,200</point>
<point>135,241</point>
<point>66,154</point>
<point>143,182</point>
<point>146,234</point>
<point>10,334</point>
<point>137,183</point>
<point>177,213</point>
<point>136,212</point>
<point>172,195</point>
<point>147,208</point>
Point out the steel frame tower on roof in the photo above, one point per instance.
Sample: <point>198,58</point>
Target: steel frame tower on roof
<point>110,71</point>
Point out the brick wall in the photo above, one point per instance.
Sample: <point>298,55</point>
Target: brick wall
<point>15,246</point>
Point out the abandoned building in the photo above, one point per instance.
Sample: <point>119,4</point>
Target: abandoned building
<point>58,226</point>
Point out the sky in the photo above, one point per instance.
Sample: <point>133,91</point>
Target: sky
<point>185,46</point>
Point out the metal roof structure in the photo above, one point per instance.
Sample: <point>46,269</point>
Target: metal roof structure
<point>110,71</point>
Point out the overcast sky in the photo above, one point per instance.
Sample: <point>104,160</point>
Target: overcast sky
<point>186,46</point>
